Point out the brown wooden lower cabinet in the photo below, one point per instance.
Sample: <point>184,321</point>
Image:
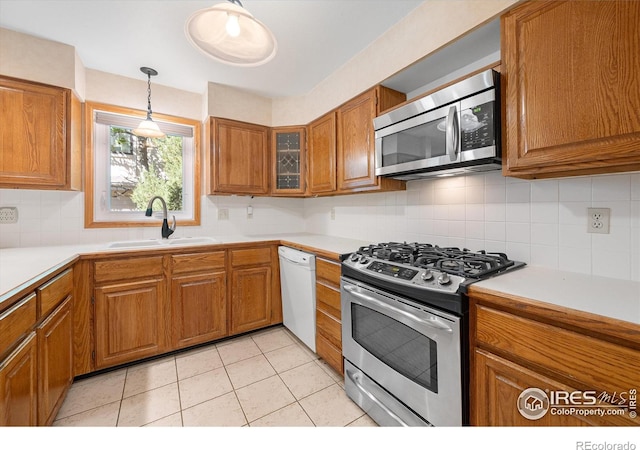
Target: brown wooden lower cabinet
<point>534,365</point>
<point>198,308</point>
<point>55,361</point>
<point>18,385</point>
<point>129,321</point>
<point>328,315</point>
<point>499,384</point>
<point>250,299</point>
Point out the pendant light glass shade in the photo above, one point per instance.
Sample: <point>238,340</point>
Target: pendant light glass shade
<point>228,33</point>
<point>148,128</point>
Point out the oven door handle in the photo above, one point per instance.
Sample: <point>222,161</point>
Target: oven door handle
<point>432,321</point>
<point>355,379</point>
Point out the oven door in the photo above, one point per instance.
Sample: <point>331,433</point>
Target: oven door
<point>410,350</point>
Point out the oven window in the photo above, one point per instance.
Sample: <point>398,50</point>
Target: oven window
<point>400,347</point>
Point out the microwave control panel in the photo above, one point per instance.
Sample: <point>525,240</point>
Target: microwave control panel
<point>477,127</point>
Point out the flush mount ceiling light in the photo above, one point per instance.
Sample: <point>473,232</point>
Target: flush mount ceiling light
<point>228,33</point>
<point>148,128</point>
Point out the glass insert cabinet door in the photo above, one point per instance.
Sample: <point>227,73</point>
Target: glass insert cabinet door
<point>288,153</point>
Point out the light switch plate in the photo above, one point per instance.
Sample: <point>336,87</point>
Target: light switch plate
<point>223,214</point>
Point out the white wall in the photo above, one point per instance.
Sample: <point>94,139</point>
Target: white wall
<point>57,218</point>
<point>541,222</point>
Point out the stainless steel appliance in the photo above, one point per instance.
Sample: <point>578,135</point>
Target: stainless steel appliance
<point>405,330</point>
<point>451,131</point>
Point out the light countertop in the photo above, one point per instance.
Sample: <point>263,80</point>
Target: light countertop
<point>608,297</point>
<point>23,267</point>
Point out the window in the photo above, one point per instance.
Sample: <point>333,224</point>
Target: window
<point>123,171</point>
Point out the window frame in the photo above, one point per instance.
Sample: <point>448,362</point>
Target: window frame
<point>90,221</point>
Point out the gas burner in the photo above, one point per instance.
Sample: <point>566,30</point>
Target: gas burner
<point>451,260</point>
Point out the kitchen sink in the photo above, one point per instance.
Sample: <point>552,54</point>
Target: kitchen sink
<point>190,241</point>
<point>146,243</point>
<point>135,244</point>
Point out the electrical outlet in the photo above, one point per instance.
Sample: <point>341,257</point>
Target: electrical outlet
<point>8,214</point>
<point>333,214</point>
<point>598,220</point>
<point>223,214</point>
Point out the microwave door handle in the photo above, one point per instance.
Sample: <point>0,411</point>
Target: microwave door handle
<point>432,321</point>
<point>453,131</point>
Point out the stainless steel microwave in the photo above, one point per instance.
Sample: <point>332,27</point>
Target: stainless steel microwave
<point>451,131</point>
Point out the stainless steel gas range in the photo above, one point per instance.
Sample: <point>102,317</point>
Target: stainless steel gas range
<point>405,330</point>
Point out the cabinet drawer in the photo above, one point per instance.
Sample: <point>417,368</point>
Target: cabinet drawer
<point>328,300</point>
<point>198,262</point>
<point>127,269</point>
<point>562,352</point>
<point>54,292</point>
<point>328,272</point>
<point>329,327</point>
<point>251,257</point>
<point>17,321</point>
<point>329,352</point>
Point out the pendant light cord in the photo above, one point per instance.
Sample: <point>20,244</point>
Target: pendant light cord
<point>149,96</point>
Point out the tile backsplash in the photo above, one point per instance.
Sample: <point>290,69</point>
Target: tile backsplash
<point>57,218</point>
<point>540,222</point>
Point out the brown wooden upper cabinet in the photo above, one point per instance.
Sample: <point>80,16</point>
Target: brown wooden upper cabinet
<point>40,136</point>
<point>356,150</point>
<point>288,156</point>
<point>570,88</point>
<point>322,154</point>
<point>238,158</point>
<point>342,147</point>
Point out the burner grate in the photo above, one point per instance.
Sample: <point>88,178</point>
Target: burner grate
<point>452,260</point>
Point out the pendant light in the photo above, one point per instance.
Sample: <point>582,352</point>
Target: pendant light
<point>230,34</point>
<point>148,128</point>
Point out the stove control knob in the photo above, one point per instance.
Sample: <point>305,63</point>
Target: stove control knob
<point>427,275</point>
<point>364,260</point>
<point>355,257</point>
<point>444,279</point>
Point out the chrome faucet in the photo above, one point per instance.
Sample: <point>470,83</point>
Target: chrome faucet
<point>166,229</point>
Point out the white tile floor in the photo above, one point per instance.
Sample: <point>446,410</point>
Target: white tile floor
<point>265,379</point>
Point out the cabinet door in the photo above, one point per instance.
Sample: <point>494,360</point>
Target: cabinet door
<point>322,154</point>
<point>55,361</point>
<point>356,153</point>
<point>288,156</point>
<point>498,383</point>
<point>571,94</point>
<point>129,321</point>
<point>250,298</point>
<point>33,136</point>
<point>240,158</point>
<point>198,308</point>
<point>18,385</point>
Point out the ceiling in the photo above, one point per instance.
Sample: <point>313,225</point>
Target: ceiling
<point>315,38</point>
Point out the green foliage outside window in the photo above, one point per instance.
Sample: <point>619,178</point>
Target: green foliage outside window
<point>154,168</point>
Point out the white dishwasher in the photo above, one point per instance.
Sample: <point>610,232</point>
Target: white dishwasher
<point>298,285</point>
